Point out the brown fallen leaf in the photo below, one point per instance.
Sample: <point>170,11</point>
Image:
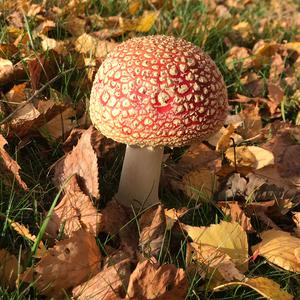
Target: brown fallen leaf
<point>88,44</point>
<point>200,184</point>
<point>24,120</point>
<point>277,67</point>
<point>16,94</point>
<point>233,210</point>
<point>173,215</point>
<point>296,219</point>
<point>10,170</point>
<point>152,224</point>
<point>75,211</point>
<point>229,238</point>
<point>8,269</point>
<point>150,281</point>
<point>266,287</point>
<point>109,284</point>
<point>69,263</point>
<point>252,123</point>
<point>238,57</point>
<point>276,96</point>
<point>280,248</point>
<point>10,72</point>
<point>82,161</point>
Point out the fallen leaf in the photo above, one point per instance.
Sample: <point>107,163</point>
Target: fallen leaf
<point>252,123</point>
<point>197,156</point>
<point>200,184</point>
<point>16,94</point>
<point>141,24</point>
<point>152,224</point>
<point>293,46</point>
<point>58,46</point>
<point>149,281</point>
<point>213,264</point>
<point>263,52</point>
<point>8,269</point>
<point>262,285</point>
<point>35,68</point>
<point>296,219</point>
<point>70,262</point>
<point>233,210</point>
<point>59,126</point>
<point>250,156</point>
<point>277,67</point>
<point>244,29</point>
<point>10,72</point>
<point>110,283</point>
<point>82,161</point>
<point>88,44</point>
<point>134,6</point>
<point>238,57</point>
<point>75,25</point>
<point>280,248</point>
<point>24,120</point>
<point>275,95</point>
<point>10,170</point>
<point>75,211</point>
<point>173,215</point>
<point>43,28</point>
<point>24,232</point>
<point>229,238</point>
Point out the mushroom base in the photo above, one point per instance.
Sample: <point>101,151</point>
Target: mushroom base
<point>140,177</point>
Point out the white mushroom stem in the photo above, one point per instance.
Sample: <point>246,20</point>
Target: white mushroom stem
<point>140,177</point>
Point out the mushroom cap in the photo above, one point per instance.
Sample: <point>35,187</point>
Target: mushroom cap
<point>158,91</point>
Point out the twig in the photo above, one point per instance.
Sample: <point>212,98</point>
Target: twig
<point>11,115</point>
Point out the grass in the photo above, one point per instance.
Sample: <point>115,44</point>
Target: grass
<point>36,159</point>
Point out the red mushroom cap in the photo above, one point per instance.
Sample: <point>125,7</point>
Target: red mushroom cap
<point>158,91</point>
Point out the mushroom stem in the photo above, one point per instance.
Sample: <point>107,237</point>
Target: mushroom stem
<point>140,177</point>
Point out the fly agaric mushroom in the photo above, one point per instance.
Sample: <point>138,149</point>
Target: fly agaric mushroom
<point>152,92</point>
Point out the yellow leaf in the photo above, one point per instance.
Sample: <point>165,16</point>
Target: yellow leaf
<point>250,156</point>
<point>230,238</point>
<point>134,6</point>
<point>293,46</point>
<point>213,263</point>
<point>142,24</point>
<point>264,286</point>
<point>23,231</point>
<point>280,248</point>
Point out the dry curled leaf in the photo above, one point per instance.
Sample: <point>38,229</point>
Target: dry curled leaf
<point>82,161</point>
<point>9,169</point>
<point>280,248</point>
<point>74,211</point>
<point>69,263</point>
<point>149,281</point>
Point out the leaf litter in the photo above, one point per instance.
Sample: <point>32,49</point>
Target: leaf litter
<point>248,172</point>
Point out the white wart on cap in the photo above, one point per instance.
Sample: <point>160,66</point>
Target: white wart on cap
<point>158,91</point>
